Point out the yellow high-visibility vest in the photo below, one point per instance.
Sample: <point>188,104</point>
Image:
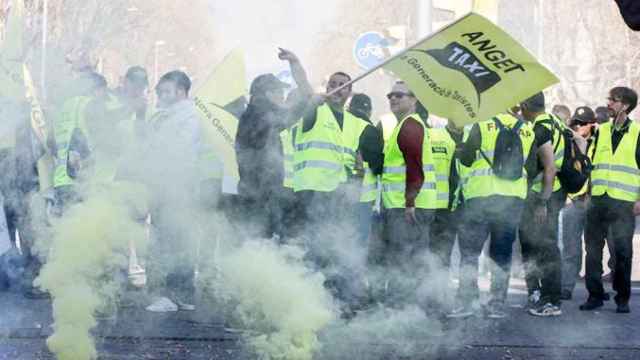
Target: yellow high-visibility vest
<point>616,173</point>
<point>325,153</point>
<point>443,148</point>
<point>481,182</point>
<point>557,142</point>
<point>394,174</point>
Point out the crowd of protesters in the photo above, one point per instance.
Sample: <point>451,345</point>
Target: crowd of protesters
<point>318,171</point>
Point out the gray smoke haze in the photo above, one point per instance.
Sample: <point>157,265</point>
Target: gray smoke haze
<point>261,27</point>
<point>269,291</point>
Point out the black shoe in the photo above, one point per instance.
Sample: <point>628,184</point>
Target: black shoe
<point>35,294</point>
<point>565,295</point>
<point>591,304</point>
<point>623,308</point>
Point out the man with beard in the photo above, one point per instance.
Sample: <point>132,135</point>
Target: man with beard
<point>615,199</point>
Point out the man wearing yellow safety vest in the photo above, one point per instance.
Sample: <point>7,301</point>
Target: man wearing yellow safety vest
<point>326,145</point>
<point>615,199</point>
<point>493,205</point>
<point>73,148</point>
<point>408,196</point>
<point>444,228</point>
<point>115,123</point>
<point>294,105</point>
<point>539,240</point>
<point>369,167</point>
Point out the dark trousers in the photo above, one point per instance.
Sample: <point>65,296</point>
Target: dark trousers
<point>171,267</point>
<point>328,227</point>
<point>404,253</point>
<point>540,251</point>
<point>443,235</point>
<point>609,215</point>
<point>497,216</point>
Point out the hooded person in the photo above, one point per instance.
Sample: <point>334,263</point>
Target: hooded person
<point>259,154</point>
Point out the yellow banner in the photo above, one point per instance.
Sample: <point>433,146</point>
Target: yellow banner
<point>470,71</point>
<point>226,85</point>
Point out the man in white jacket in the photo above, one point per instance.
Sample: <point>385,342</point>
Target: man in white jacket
<point>171,173</point>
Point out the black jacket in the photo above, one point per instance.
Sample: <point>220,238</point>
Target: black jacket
<point>630,10</point>
<point>259,149</point>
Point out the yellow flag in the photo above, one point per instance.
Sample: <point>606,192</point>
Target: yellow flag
<point>470,71</point>
<point>224,87</point>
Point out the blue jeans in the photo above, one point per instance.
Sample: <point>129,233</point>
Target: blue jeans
<point>573,222</point>
<point>498,216</point>
<point>365,219</point>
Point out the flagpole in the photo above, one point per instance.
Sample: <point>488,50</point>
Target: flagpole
<point>404,51</point>
<point>43,63</point>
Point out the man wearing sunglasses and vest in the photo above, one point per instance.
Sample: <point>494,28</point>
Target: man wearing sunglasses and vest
<point>408,196</point>
<point>615,199</point>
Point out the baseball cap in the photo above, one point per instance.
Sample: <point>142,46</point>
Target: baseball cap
<point>360,105</point>
<point>138,75</point>
<point>583,115</point>
<point>266,82</point>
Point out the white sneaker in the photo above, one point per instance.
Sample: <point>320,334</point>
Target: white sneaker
<point>496,311</point>
<point>461,312</point>
<point>546,310</point>
<point>185,306</point>
<point>162,305</point>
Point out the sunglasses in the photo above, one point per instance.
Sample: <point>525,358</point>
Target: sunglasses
<point>398,95</point>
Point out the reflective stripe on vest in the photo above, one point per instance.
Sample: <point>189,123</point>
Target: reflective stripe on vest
<point>616,174</point>
<point>402,187</point>
<point>443,148</point>
<point>369,189</point>
<point>557,142</point>
<point>394,174</point>
<point>480,180</point>
<point>70,118</point>
<point>325,153</point>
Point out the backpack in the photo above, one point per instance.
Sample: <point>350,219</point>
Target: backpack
<point>508,160</point>
<point>576,166</point>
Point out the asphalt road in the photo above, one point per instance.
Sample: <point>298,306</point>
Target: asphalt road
<point>135,334</point>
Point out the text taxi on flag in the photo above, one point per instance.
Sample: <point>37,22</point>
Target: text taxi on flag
<point>469,71</point>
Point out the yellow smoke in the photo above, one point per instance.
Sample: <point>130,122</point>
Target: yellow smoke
<point>278,298</point>
<point>89,244</point>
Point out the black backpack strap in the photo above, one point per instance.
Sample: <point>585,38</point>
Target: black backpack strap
<point>294,132</point>
<point>516,128</point>
<point>484,156</point>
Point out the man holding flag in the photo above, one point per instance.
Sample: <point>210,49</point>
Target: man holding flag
<point>408,194</point>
